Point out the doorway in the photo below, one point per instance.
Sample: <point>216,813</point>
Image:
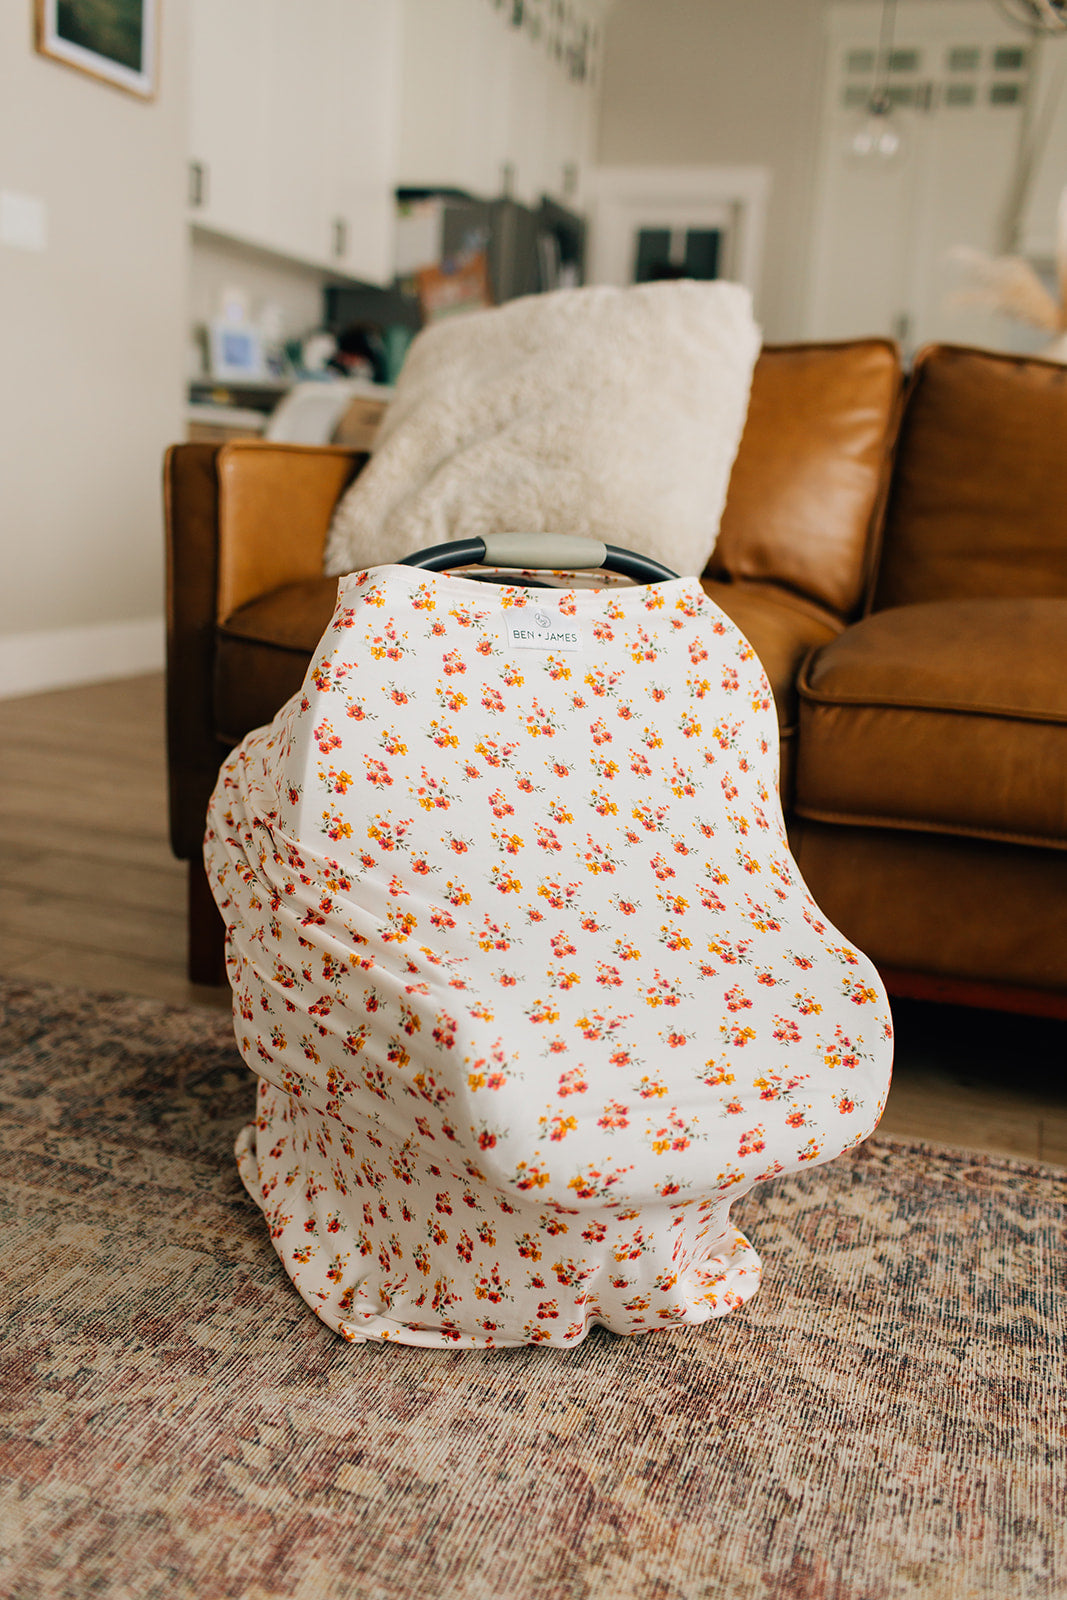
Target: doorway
<point>648,223</point>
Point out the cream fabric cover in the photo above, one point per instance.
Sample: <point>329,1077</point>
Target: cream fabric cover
<point>613,413</point>
<point>519,954</point>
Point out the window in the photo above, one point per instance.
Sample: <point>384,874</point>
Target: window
<point>677,253</point>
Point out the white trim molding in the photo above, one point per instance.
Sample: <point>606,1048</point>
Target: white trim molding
<point>624,199</point>
<point>58,658</point>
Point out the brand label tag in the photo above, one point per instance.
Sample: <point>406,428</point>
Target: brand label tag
<point>539,630</point>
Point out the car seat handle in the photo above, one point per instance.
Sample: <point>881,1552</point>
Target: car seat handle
<point>540,552</point>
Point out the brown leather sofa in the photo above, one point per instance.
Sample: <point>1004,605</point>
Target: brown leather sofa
<point>898,558</point>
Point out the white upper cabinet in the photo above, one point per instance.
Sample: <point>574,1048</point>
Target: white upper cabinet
<point>448,45</point>
<point>293,128</point>
<point>230,92</point>
<point>499,95</point>
<point>363,137</point>
<point>298,152</point>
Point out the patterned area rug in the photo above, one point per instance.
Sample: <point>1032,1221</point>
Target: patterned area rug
<point>885,1418</point>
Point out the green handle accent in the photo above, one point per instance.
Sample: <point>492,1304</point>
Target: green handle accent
<point>551,552</point>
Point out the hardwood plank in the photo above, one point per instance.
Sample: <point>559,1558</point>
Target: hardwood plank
<point>1001,1125</point>
<point>128,974</point>
<point>88,717</point>
<point>27,765</point>
<point>72,875</point>
<point>155,935</point>
<point>1054,1134</point>
<point>47,834</point>
<point>114,746</point>
<point>100,806</point>
<point>21,956</point>
<point>91,779</point>
<point>143,692</point>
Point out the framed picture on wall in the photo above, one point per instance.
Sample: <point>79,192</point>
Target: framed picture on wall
<point>114,40</point>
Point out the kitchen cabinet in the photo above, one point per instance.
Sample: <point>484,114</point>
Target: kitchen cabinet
<point>499,98</point>
<point>230,91</point>
<point>293,128</point>
<point>363,136</point>
<point>296,148</point>
<point>452,110</point>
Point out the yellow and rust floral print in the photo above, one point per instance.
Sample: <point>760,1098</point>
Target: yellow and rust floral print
<point>520,956</point>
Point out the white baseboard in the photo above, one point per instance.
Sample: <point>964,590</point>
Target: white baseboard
<point>58,658</point>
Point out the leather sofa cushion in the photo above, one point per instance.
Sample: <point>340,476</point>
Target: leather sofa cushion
<point>810,473</point>
<point>949,717</point>
<point>980,484</point>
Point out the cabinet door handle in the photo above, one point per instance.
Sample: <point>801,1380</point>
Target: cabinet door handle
<point>340,237</point>
<point>197,183</point>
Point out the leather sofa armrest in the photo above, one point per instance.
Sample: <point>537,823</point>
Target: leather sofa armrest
<point>275,503</point>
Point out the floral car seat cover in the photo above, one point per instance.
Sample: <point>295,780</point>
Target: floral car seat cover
<point>524,965</point>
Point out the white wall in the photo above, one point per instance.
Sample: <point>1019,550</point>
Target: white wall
<point>724,83</point>
<point>92,359</point>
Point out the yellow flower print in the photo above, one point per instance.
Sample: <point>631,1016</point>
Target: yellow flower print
<point>651,1088</point>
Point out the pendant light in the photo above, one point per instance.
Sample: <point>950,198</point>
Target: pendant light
<point>878,139</point>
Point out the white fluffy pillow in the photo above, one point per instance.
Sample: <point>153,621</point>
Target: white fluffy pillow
<point>614,413</point>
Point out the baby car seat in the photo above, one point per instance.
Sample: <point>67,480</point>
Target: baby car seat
<point>519,953</point>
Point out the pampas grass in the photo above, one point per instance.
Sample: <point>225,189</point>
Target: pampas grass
<point>1010,285</point>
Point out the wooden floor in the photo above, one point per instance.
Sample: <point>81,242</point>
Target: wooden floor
<point>91,896</point>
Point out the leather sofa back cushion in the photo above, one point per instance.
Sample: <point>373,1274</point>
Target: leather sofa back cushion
<point>809,474</point>
<point>980,486</point>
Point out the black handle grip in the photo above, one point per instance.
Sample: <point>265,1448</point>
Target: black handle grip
<point>468,552</point>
